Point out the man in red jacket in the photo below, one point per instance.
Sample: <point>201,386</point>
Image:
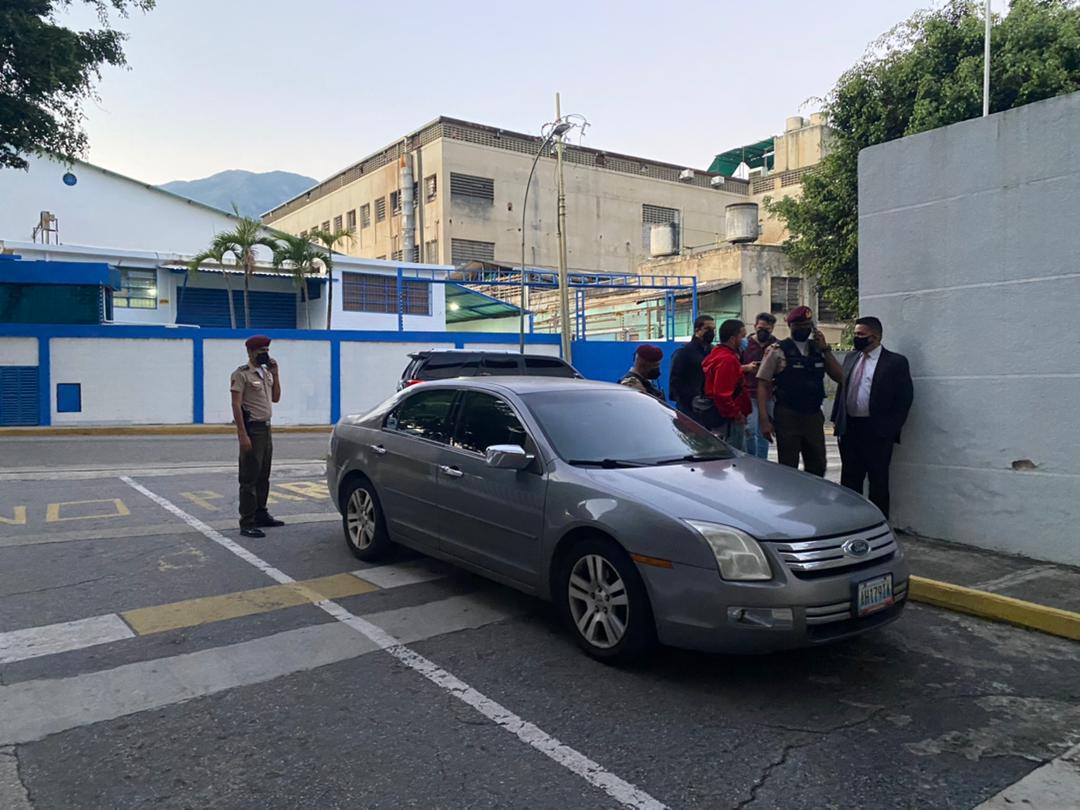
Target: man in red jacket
<point>725,386</point>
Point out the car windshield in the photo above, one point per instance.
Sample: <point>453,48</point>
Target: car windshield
<point>620,428</point>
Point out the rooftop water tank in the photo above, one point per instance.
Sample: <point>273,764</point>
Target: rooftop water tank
<point>662,241</point>
<point>741,223</point>
<point>793,123</point>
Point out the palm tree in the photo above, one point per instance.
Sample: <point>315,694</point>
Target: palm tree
<point>241,243</point>
<point>300,257</point>
<point>216,253</point>
<point>329,240</point>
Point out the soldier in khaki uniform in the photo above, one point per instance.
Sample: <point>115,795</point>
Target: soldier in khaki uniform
<point>255,387</point>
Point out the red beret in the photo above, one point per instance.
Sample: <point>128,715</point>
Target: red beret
<point>800,314</point>
<point>650,354</point>
<point>257,342</point>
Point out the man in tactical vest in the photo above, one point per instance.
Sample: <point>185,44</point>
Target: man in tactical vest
<point>645,371</point>
<point>794,370</point>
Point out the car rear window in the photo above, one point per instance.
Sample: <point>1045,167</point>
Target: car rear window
<point>548,367</point>
<point>501,364</point>
<point>448,366</point>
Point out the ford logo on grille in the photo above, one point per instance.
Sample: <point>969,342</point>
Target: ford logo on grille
<point>856,548</point>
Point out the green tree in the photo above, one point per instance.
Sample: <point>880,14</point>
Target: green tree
<point>241,242</point>
<point>216,253</point>
<point>48,71</point>
<point>302,259</point>
<point>329,240</point>
<point>925,73</point>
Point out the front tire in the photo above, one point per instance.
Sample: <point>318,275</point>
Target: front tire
<point>364,524</point>
<point>603,600</point>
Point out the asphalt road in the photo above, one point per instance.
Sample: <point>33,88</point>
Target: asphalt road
<point>149,656</point>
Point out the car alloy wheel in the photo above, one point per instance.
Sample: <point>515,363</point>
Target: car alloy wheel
<point>599,602</point>
<point>361,519</point>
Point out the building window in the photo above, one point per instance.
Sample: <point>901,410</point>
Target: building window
<point>395,255</point>
<point>337,223</point>
<point>303,234</point>
<point>326,225</point>
<point>658,215</point>
<point>431,251</point>
<point>472,189</point>
<point>431,187</point>
<point>395,203</point>
<point>365,215</point>
<point>138,289</point>
<point>380,209</point>
<point>368,292</point>
<point>470,250</point>
<point>350,220</point>
<point>825,311</point>
<point>786,294</point>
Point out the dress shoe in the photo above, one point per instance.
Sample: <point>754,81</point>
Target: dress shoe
<point>252,532</point>
<point>268,521</point>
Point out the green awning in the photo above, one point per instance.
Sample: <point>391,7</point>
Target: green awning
<point>463,304</point>
<point>754,155</point>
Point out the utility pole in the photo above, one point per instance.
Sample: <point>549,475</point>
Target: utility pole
<point>986,65</point>
<point>564,287</point>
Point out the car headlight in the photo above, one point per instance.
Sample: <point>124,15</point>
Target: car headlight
<point>737,554</point>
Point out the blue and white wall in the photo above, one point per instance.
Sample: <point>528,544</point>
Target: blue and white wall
<point>132,375</point>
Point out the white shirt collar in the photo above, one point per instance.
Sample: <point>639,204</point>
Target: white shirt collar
<point>875,354</point>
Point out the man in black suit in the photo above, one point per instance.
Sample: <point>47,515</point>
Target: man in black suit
<point>687,379</point>
<point>871,407</point>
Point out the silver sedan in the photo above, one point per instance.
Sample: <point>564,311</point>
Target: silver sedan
<point>636,522</point>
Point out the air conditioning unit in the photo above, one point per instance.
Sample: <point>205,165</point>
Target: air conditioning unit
<point>717,181</point>
<point>686,175</point>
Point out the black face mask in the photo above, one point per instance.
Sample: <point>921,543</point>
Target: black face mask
<point>263,358</point>
<point>652,374</point>
<point>708,336</point>
<point>861,344</point>
<point>801,334</point>
<point>763,335</point>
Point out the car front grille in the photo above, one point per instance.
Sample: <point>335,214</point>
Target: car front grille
<point>809,559</point>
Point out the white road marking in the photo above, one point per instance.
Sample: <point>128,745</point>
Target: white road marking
<point>394,576</point>
<point>13,794</point>
<point>33,642</point>
<point>1015,578</point>
<point>592,772</point>
<point>1055,785</point>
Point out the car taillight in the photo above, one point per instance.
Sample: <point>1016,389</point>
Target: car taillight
<point>412,382</point>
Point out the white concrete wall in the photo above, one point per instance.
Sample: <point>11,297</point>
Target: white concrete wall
<point>370,372</point>
<point>305,380</point>
<point>18,351</point>
<point>968,246</point>
<point>105,210</point>
<point>124,381</point>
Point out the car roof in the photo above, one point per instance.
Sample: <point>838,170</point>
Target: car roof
<point>526,385</point>
<point>430,352</point>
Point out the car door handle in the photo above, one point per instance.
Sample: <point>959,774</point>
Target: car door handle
<point>453,472</point>
<point>378,449</point>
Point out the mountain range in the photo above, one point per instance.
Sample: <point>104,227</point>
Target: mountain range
<point>252,193</point>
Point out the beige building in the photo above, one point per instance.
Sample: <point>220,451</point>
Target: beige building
<point>470,191</point>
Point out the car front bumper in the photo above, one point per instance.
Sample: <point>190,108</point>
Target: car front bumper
<point>696,609</point>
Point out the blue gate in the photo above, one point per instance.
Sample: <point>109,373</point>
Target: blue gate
<point>18,396</point>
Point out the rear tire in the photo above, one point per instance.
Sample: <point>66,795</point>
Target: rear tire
<point>364,523</point>
<point>602,598</point>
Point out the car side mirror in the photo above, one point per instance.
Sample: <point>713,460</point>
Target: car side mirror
<point>508,457</point>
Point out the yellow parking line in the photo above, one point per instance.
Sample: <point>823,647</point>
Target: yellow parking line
<point>993,606</point>
<point>208,609</point>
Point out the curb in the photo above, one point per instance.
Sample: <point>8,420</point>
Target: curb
<point>985,605</point>
<point>153,430</point>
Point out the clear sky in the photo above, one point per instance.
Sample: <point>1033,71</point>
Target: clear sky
<point>313,86</point>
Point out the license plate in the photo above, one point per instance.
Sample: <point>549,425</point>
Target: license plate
<point>874,595</point>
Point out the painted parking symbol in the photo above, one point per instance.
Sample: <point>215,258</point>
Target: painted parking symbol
<point>309,489</point>
<point>100,508</point>
<point>203,497</point>
<point>18,517</point>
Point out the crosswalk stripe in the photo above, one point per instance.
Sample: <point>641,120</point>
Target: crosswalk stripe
<point>34,709</point>
<point>50,639</point>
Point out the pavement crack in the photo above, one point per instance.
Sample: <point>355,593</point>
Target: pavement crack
<point>48,588</point>
<point>759,783</point>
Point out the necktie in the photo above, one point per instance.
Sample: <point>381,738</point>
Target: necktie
<point>855,383</point>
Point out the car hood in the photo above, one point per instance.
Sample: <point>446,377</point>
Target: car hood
<point>766,500</point>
